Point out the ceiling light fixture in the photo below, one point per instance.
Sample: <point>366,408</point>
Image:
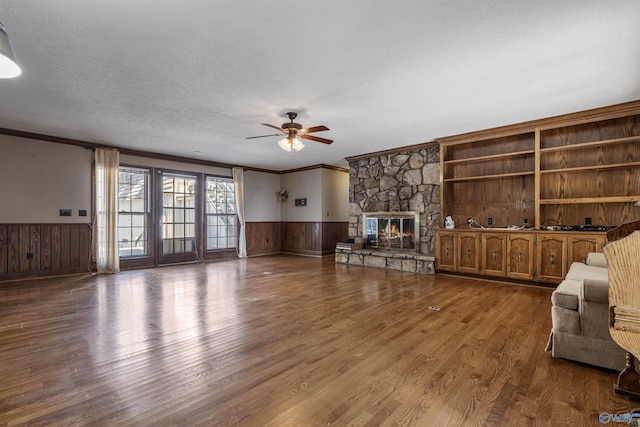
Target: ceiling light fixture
<point>9,68</point>
<point>291,144</point>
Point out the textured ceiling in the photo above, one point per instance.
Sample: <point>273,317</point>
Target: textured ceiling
<point>194,78</point>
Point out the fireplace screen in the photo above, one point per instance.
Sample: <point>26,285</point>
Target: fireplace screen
<point>391,230</point>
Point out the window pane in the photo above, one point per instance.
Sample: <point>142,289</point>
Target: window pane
<point>133,217</point>
<point>221,219</point>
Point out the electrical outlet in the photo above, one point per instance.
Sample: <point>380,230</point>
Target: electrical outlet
<point>490,221</point>
<point>65,212</point>
<point>587,220</point>
<point>29,255</point>
<point>525,221</point>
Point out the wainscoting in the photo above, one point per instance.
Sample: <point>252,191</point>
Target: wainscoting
<point>33,250</point>
<point>308,238</point>
<point>29,250</point>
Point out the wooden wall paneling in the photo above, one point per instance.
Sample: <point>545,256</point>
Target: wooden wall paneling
<point>34,240</point>
<point>45,247</point>
<point>13,265</point>
<point>24,246</point>
<point>3,249</point>
<point>332,233</point>
<point>56,247</point>
<point>74,246</point>
<point>302,237</point>
<point>65,246</point>
<point>263,237</point>
<point>85,245</point>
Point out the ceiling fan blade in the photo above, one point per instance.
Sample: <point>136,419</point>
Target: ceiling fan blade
<point>314,129</point>
<point>272,126</point>
<point>315,138</point>
<point>264,136</point>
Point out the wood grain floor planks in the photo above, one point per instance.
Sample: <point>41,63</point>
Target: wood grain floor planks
<point>287,341</point>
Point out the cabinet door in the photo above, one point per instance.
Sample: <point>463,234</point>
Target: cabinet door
<point>551,254</point>
<point>520,256</point>
<point>468,253</point>
<point>494,249</point>
<point>446,251</point>
<point>580,246</point>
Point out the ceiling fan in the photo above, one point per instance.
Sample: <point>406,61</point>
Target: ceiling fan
<point>292,131</point>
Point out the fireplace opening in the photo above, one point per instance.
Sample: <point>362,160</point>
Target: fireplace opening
<point>391,230</point>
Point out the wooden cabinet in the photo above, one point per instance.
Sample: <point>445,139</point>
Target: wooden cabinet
<point>580,246</point>
<point>446,249</point>
<point>524,255</point>
<point>520,256</point>
<point>468,253</point>
<point>551,257</point>
<point>493,254</point>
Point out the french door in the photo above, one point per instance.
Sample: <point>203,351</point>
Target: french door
<point>179,216</point>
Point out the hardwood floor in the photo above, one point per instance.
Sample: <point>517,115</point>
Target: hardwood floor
<point>287,341</point>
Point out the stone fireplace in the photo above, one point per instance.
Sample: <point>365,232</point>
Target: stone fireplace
<point>399,185</point>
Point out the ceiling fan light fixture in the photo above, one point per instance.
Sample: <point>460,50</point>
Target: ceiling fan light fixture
<point>285,144</point>
<point>297,144</point>
<point>291,144</point>
<point>9,68</point>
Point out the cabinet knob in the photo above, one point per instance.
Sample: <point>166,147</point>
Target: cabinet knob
<point>552,259</point>
<point>520,256</point>
<point>446,251</point>
<point>468,253</point>
<point>493,254</point>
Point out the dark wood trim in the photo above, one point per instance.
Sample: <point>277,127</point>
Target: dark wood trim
<point>152,155</point>
<point>602,113</point>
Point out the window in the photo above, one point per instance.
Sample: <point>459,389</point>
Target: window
<point>133,215</point>
<point>222,222</point>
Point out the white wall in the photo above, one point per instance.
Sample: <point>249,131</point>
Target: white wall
<point>39,178</point>
<point>306,184</point>
<point>260,201</point>
<point>335,195</point>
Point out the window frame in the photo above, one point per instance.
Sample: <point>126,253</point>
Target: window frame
<point>226,215</point>
<point>147,214</point>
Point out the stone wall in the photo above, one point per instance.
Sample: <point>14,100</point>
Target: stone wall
<point>398,182</point>
<point>411,262</point>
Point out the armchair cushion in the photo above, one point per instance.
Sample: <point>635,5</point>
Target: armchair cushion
<point>597,259</point>
<point>595,290</point>
<point>578,271</point>
<point>566,294</point>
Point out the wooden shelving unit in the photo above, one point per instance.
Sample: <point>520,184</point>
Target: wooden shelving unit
<point>565,170</point>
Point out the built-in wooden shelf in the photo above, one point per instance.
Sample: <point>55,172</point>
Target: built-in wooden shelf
<point>486,177</point>
<point>582,200</point>
<point>490,157</point>
<point>591,167</point>
<point>591,144</point>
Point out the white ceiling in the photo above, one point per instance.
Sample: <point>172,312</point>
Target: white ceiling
<point>194,78</point>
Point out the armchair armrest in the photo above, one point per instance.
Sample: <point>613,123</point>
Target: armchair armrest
<point>596,290</point>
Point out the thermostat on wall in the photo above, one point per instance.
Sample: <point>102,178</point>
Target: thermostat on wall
<point>301,202</point>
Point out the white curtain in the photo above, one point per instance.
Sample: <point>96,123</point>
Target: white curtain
<point>238,183</point>
<point>106,226</point>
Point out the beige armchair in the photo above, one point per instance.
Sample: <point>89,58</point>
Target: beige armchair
<point>580,316</point>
